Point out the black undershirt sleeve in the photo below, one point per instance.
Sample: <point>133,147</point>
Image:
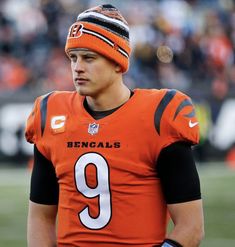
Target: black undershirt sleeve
<point>44,188</point>
<point>178,174</point>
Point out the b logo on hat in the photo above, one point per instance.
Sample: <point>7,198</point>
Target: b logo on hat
<point>76,31</point>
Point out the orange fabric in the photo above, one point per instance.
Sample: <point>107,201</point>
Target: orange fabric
<point>230,158</point>
<point>78,39</point>
<point>111,172</point>
<point>31,133</point>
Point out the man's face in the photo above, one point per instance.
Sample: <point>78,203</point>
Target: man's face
<point>92,73</point>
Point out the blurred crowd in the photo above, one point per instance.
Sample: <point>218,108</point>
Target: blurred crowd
<point>201,34</point>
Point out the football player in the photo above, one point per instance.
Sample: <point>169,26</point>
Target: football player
<point>111,165</point>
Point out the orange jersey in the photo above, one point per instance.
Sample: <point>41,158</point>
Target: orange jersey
<point>110,193</point>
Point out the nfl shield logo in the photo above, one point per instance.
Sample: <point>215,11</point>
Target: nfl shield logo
<point>93,128</point>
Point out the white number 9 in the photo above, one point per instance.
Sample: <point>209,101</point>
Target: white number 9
<point>102,189</point>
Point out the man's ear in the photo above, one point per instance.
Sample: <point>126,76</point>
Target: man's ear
<point>118,68</point>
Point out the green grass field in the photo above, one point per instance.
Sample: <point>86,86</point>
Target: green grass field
<point>14,186</point>
<point>217,184</point>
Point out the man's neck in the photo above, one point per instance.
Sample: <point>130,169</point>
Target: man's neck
<point>108,101</point>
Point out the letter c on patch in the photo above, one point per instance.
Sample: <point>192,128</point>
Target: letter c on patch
<point>58,123</point>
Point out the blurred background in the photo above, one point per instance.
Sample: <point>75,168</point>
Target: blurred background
<point>201,34</point>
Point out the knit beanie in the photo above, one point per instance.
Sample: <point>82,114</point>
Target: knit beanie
<point>104,30</point>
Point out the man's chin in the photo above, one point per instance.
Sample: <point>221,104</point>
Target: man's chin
<point>83,92</point>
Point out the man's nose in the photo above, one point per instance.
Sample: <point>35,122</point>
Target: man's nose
<point>79,66</point>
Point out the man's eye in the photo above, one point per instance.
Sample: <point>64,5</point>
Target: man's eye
<point>73,58</point>
<point>89,58</point>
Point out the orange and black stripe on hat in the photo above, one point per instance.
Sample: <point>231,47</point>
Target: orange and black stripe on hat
<point>104,30</point>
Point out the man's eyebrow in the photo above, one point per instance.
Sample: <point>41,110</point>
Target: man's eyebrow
<point>89,53</point>
<point>83,52</point>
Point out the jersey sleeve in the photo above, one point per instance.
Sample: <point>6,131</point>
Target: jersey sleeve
<point>33,122</point>
<point>179,121</point>
<point>44,187</point>
<point>37,119</point>
<point>178,173</point>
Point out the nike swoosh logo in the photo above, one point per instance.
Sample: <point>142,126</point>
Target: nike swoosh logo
<point>192,124</point>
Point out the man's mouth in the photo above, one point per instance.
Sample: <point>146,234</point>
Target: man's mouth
<point>81,81</point>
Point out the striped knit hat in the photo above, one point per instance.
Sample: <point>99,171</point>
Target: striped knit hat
<point>102,29</point>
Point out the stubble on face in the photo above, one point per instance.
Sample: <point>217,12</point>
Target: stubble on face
<point>97,75</point>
